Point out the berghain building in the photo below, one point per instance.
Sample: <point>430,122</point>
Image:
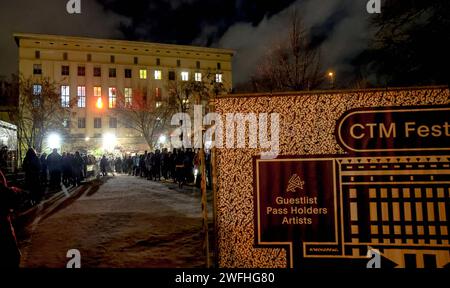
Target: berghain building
<point>90,68</point>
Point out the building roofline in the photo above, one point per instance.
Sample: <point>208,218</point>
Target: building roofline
<point>78,39</point>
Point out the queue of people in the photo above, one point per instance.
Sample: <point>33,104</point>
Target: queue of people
<point>53,170</point>
<point>179,165</point>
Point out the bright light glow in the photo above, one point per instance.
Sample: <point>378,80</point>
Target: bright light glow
<point>185,76</point>
<point>99,103</point>
<point>109,141</point>
<point>162,139</point>
<point>195,172</point>
<point>198,76</point>
<point>219,78</point>
<point>87,139</point>
<point>331,74</point>
<point>143,74</point>
<point>158,74</point>
<point>54,141</point>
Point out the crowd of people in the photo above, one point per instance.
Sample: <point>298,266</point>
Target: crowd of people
<point>181,166</point>
<point>41,171</point>
<point>52,170</point>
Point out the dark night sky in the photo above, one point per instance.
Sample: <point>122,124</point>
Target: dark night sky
<point>248,26</point>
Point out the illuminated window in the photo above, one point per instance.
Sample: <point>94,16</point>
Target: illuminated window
<point>65,70</point>
<point>185,76</point>
<point>158,93</point>
<point>198,76</point>
<point>158,104</point>
<point>65,96</point>
<point>112,97</point>
<point>143,73</point>
<point>37,69</point>
<point>81,96</point>
<point>98,91</point>
<point>128,96</point>
<point>219,78</point>
<point>97,71</point>
<point>37,91</point>
<point>158,74</point>
<point>66,123</point>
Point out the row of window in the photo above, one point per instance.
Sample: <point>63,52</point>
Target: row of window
<point>97,123</point>
<point>65,71</point>
<point>81,95</point>
<point>112,59</point>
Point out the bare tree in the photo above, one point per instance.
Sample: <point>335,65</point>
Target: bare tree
<point>185,93</point>
<point>149,118</point>
<point>292,64</point>
<point>39,112</point>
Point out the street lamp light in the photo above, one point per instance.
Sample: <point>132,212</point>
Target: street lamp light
<point>331,76</point>
<point>109,141</point>
<point>54,141</point>
<point>162,139</point>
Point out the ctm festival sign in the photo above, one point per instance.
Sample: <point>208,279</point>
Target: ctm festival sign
<point>356,171</point>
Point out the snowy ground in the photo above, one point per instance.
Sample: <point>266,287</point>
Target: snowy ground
<point>123,222</point>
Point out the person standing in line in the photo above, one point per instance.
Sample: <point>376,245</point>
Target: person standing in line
<point>156,165</point>
<point>54,168</point>
<point>32,167</point>
<point>104,166</point>
<point>77,168</point>
<point>43,177</point>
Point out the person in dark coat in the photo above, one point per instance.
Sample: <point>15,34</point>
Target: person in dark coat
<point>44,171</point>
<point>32,167</point>
<point>104,166</point>
<point>77,168</point>
<point>156,165</point>
<point>54,169</point>
<point>67,169</point>
<point>118,165</point>
<point>180,169</point>
<point>9,250</point>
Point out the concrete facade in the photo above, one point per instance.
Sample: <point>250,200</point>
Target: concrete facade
<point>140,66</point>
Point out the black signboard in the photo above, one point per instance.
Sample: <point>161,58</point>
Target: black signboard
<point>391,194</point>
